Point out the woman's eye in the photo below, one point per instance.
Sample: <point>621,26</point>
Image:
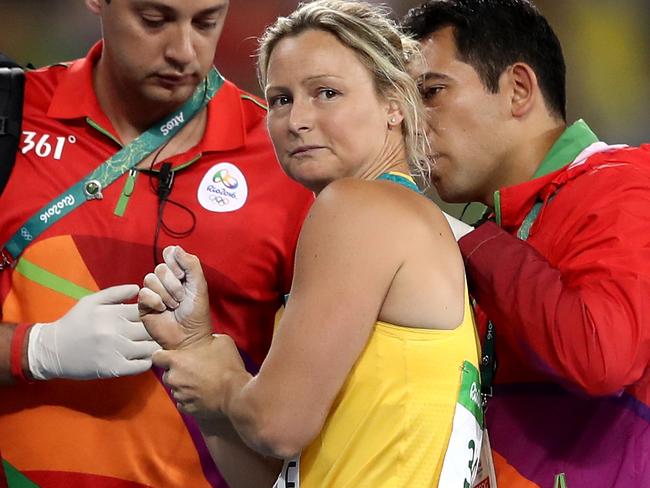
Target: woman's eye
<point>327,93</point>
<point>279,101</point>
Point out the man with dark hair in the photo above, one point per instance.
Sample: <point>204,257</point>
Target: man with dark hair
<point>160,149</point>
<point>562,267</point>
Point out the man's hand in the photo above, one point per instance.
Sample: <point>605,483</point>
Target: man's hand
<point>458,227</point>
<point>174,303</point>
<point>100,337</point>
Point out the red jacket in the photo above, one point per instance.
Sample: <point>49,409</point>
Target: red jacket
<point>571,309</point>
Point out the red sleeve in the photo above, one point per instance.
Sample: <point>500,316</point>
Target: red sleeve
<point>585,316</point>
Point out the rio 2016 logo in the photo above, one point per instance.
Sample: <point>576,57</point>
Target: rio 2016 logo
<point>224,177</point>
<point>223,188</point>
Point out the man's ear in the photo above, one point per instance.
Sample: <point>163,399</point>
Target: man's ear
<point>95,6</point>
<point>523,87</point>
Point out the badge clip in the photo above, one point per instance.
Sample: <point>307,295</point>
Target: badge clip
<point>93,190</point>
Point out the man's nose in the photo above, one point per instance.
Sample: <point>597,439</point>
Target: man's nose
<point>180,49</point>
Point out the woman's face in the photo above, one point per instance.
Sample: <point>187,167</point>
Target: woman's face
<point>325,117</point>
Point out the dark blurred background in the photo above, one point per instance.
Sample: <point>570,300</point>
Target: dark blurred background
<point>606,44</point>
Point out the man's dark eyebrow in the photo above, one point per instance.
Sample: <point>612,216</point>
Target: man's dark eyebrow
<point>211,10</point>
<point>432,75</point>
<point>167,10</point>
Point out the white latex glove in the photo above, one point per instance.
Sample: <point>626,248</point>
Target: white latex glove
<point>458,227</point>
<point>100,337</point>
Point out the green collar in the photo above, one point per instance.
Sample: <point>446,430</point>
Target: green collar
<point>575,139</point>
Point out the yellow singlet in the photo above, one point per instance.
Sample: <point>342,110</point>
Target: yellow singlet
<point>391,423</point>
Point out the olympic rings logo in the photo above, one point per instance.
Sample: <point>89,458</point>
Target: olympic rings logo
<point>219,200</point>
<point>224,177</point>
<point>26,234</point>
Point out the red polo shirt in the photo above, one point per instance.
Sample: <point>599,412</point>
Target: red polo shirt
<point>243,216</point>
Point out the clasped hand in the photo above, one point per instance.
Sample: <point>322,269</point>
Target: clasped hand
<point>174,304</point>
<point>174,307</point>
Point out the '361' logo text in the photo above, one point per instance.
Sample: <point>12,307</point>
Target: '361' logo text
<point>45,145</point>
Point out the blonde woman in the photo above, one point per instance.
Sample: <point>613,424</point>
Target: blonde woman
<point>362,384</point>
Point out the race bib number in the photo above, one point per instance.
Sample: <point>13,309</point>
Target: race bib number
<point>290,474</point>
<point>485,475</point>
<point>461,461</point>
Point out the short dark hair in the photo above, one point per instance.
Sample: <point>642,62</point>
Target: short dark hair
<point>494,34</point>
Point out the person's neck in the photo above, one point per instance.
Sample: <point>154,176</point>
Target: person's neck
<point>520,165</point>
<point>395,166</point>
<point>128,113</point>
<point>131,117</point>
<point>372,172</point>
<point>391,158</point>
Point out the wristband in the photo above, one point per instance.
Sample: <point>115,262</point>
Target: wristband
<point>16,352</point>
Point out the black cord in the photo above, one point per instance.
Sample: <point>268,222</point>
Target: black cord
<point>162,185</point>
<point>464,210</point>
<point>163,190</point>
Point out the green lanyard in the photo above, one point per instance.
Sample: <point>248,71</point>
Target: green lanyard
<point>489,359</point>
<point>90,187</point>
<point>524,229</point>
<point>560,481</point>
<point>488,366</point>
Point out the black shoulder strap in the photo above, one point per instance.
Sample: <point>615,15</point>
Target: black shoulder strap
<point>12,83</point>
